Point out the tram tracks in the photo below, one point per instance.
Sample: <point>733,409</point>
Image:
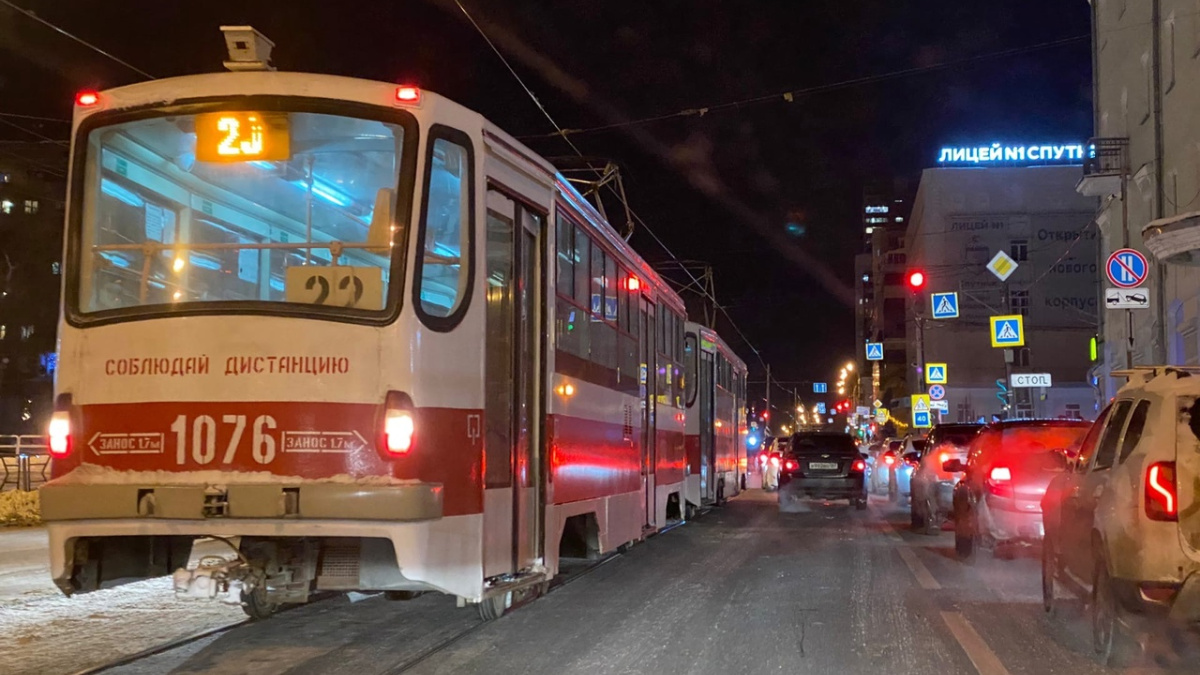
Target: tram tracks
<point>404,666</point>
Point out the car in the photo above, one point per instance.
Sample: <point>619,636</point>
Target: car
<point>997,502</point>
<point>825,465</point>
<point>900,487</point>
<point>933,486</point>
<point>880,466</point>
<point>1123,522</point>
<point>769,458</point>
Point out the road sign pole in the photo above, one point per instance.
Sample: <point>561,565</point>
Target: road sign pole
<point>1009,354</point>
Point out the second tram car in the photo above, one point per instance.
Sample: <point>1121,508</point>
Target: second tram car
<point>716,405</point>
<point>358,333</point>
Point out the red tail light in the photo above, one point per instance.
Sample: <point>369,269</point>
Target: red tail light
<point>399,424</point>
<point>943,458</point>
<point>774,461</point>
<point>762,459</point>
<point>889,460</point>
<point>408,95</point>
<point>999,481</point>
<point>859,466</point>
<point>790,465</point>
<point>60,433</point>
<point>87,98</point>
<point>1162,497</point>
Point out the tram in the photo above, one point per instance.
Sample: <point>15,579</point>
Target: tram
<point>357,333</point>
<point>716,417</point>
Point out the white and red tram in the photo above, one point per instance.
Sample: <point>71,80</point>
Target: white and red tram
<point>716,417</point>
<point>358,333</point>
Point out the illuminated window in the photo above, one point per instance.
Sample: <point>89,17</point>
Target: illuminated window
<point>446,229</point>
<point>4,177</point>
<point>31,206</point>
<point>6,206</point>
<point>3,331</point>
<point>26,332</point>
<point>339,185</point>
<point>870,230</point>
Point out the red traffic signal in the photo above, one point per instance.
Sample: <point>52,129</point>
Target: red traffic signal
<point>916,280</point>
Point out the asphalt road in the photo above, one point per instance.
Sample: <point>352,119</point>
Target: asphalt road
<point>744,589</point>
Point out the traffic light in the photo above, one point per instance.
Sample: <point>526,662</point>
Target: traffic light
<point>916,280</point>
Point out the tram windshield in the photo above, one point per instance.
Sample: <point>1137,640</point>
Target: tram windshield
<point>238,207</point>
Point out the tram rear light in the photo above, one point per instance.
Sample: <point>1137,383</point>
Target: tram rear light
<point>408,95</point>
<point>633,284</point>
<point>398,426</point>
<point>87,98</point>
<point>60,433</point>
<point>398,435</point>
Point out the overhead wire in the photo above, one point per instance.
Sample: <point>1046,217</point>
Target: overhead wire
<point>78,39</point>
<point>789,95</point>
<point>562,134</point>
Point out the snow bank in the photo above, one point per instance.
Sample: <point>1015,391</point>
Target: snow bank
<point>19,508</point>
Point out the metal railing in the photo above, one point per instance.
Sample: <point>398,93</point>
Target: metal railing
<point>25,461</point>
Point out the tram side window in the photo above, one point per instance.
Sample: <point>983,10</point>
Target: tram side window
<point>580,262</point>
<point>447,229</point>
<point>565,233</point>
<point>677,349</point>
<point>690,357</point>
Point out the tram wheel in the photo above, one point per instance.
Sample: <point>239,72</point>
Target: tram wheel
<point>492,608</point>
<point>256,605</point>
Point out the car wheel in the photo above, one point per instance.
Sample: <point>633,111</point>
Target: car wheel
<point>933,520</point>
<point>1049,573</point>
<point>1113,646</point>
<point>917,515</point>
<point>964,538</point>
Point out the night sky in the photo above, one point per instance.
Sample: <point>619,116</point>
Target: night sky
<point>719,188</point>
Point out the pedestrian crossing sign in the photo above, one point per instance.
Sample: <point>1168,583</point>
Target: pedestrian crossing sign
<point>945,305</point>
<point>1008,331</point>
<point>920,403</point>
<point>935,373</point>
<point>874,351</point>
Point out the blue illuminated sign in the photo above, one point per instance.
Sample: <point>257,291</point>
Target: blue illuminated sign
<point>996,153</point>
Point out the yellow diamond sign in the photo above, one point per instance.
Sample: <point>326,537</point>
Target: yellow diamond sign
<point>1002,265</point>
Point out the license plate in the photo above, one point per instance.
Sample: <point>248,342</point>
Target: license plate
<point>823,465</point>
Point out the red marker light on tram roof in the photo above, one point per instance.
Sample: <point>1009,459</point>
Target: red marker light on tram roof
<point>87,98</point>
<point>408,94</point>
<point>633,284</point>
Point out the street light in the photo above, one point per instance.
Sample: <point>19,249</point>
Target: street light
<point>850,366</point>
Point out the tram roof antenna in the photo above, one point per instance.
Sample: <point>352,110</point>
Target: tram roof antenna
<point>589,175</point>
<point>248,49</point>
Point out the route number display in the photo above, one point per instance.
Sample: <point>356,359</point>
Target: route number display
<point>242,136</point>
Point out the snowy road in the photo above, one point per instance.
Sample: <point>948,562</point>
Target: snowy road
<point>43,632</point>
<point>744,589</point>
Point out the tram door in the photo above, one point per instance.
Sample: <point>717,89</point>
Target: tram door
<point>647,379</point>
<point>708,483</point>
<point>513,404</point>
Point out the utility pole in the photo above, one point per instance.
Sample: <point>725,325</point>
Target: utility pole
<point>767,419</point>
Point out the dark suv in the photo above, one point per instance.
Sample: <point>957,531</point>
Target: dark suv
<point>822,465</point>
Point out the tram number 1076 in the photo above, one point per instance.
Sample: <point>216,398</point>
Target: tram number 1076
<point>201,437</point>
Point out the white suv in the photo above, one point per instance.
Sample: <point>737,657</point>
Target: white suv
<point>1123,523</point>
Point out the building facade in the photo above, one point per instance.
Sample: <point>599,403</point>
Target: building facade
<point>961,218</point>
<point>32,187</point>
<point>1144,165</point>
<point>879,280</point>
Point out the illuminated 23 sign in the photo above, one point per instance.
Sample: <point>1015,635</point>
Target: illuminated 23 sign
<point>240,136</point>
